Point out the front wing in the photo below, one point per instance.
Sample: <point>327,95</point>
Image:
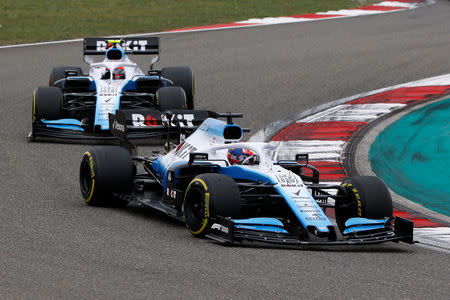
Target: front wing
<point>41,130</point>
<point>137,123</point>
<point>228,231</point>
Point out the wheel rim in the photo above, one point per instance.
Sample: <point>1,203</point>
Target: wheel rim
<point>85,178</point>
<point>194,208</point>
<point>345,209</point>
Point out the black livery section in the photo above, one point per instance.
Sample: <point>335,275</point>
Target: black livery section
<point>136,46</point>
<point>134,124</point>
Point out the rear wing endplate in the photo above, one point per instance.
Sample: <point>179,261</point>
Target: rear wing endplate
<point>170,124</point>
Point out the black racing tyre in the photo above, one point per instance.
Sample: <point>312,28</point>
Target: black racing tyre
<point>209,195</point>
<point>182,77</point>
<point>47,103</point>
<point>172,97</point>
<point>103,171</point>
<point>367,197</point>
<point>58,73</point>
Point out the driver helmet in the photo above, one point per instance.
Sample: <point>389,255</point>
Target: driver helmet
<point>119,73</point>
<point>237,155</point>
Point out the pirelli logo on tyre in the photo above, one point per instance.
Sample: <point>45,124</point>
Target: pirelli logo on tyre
<point>206,207</point>
<point>201,225</point>
<point>357,196</point>
<point>89,186</point>
<point>91,164</point>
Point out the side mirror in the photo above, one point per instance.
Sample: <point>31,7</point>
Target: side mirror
<point>302,159</point>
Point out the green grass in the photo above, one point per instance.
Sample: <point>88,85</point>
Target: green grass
<point>26,21</point>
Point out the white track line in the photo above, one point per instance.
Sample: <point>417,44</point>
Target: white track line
<point>353,113</point>
<point>317,150</point>
<point>270,130</point>
<point>438,237</point>
<point>259,22</point>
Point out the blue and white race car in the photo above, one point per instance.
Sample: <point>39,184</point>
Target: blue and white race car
<point>233,191</point>
<point>76,105</point>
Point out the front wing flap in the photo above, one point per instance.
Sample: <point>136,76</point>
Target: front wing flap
<point>228,231</point>
<point>139,124</point>
<point>65,133</point>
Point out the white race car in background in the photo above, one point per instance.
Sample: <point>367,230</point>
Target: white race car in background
<point>76,105</point>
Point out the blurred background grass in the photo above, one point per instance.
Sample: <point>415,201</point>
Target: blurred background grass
<point>27,21</point>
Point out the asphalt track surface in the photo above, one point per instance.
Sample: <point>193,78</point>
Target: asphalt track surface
<point>54,246</point>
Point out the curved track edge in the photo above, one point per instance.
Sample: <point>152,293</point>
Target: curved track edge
<point>338,136</point>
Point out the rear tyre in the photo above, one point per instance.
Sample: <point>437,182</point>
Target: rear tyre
<point>184,78</point>
<point>47,103</point>
<point>104,171</point>
<point>171,98</point>
<point>367,197</point>
<point>207,196</point>
<point>58,73</point>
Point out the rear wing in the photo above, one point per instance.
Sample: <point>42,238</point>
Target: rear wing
<point>174,124</point>
<point>139,46</point>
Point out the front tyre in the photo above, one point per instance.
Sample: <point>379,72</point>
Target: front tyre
<point>184,78</point>
<point>366,197</point>
<point>47,103</point>
<point>104,171</point>
<point>172,97</point>
<point>207,196</point>
<point>58,73</point>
